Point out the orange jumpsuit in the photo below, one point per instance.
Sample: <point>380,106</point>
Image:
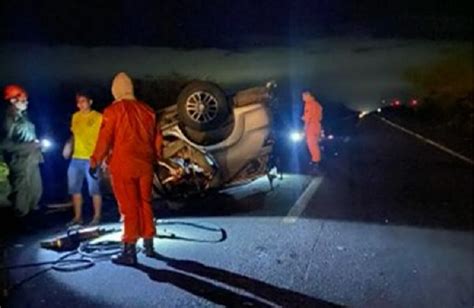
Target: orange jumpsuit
<point>129,132</point>
<point>313,114</point>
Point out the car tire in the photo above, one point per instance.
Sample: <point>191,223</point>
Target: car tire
<point>208,137</point>
<point>203,106</point>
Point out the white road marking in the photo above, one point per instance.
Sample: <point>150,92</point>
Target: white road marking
<point>302,201</point>
<point>429,141</point>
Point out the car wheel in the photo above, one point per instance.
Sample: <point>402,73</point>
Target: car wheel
<point>209,137</point>
<point>203,106</point>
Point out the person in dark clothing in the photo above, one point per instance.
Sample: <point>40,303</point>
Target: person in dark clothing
<point>22,152</point>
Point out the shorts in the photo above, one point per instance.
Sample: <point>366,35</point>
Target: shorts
<point>77,171</point>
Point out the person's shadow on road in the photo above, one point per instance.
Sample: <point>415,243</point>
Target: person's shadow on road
<point>272,295</point>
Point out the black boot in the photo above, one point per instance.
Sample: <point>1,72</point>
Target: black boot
<point>315,169</point>
<point>128,256</point>
<point>149,247</point>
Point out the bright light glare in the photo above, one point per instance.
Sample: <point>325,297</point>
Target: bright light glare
<point>296,136</point>
<point>330,137</point>
<point>379,110</point>
<point>363,114</point>
<point>45,143</point>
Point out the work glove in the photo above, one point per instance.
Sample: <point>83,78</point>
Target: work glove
<point>34,146</point>
<point>93,173</point>
<point>39,145</point>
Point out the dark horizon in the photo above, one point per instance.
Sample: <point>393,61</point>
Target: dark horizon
<point>226,24</point>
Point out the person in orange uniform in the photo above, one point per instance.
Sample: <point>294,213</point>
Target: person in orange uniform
<point>130,133</point>
<point>313,115</point>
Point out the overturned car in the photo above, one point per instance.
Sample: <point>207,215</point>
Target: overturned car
<point>213,141</point>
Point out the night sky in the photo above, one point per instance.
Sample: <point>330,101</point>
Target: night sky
<point>228,24</point>
<point>354,52</point>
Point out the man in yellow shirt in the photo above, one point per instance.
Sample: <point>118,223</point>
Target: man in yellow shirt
<point>85,126</point>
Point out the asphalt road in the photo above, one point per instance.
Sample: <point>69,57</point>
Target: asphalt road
<point>388,224</point>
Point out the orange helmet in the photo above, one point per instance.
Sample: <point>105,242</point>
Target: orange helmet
<point>13,91</point>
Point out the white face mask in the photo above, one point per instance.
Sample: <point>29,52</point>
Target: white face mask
<point>21,105</point>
